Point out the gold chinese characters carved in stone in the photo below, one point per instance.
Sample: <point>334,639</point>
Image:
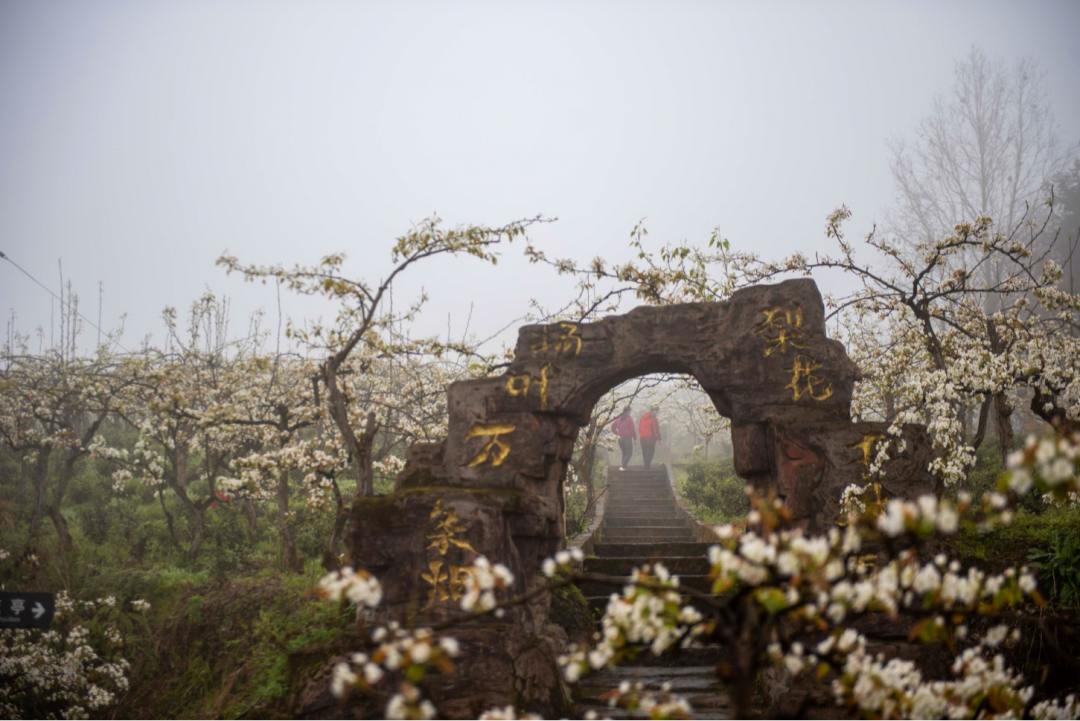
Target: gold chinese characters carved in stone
<point>804,382</point>
<point>446,530</point>
<point>520,383</point>
<point>446,583</point>
<point>781,329</point>
<point>446,579</point>
<point>866,445</point>
<point>557,341</point>
<point>495,450</point>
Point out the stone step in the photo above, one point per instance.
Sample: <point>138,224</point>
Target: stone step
<point>640,503</point>
<point>698,684</point>
<point>653,493</point>
<point>650,520</point>
<point>699,654</point>
<point>644,512</point>
<point>617,714</point>
<point>642,534</point>
<point>657,492</point>
<point>619,525</point>
<point>633,537</point>
<point>646,551</point>
<point>679,565</point>
<point>596,588</point>
<point>663,535</point>
<point>599,604</point>
<point>649,513</point>
<point>682,678</point>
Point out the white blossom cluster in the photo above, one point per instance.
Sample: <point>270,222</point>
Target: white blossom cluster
<point>482,580</point>
<point>506,713</point>
<point>68,671</point>
<point>923,516</point>
<point>634,697</point>
<point>822,575</point>
<point>403,652</point>
<point>648,613</point>
<point>563,562</point>
<point>359,587</point>
<point>1052,465</point>
<point>896,688</point>
<point>851,500</point>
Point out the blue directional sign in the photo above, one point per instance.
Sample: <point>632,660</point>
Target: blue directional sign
<point>26,610</point>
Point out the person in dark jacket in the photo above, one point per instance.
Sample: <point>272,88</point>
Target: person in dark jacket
<point>623,427</point>
<point>650,435</point>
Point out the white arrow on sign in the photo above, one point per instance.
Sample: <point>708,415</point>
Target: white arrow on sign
<point>38,610</point>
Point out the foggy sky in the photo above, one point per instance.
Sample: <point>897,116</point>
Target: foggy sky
<point>140,140</point>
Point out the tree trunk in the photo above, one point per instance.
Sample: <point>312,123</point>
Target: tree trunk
<point>198,528</point>
<point>365,488</point>
<point>1002,409</point>
<point>1045,406</point>
<point>1003,416</point>
<point>63,534</point>
<point>288,546</point>
<point>365,481</point>
<point>41,487</point>
<point>169,521</point>
<point>195,511</point>
<point>330,560</point>
<point>250,513</point>
<point>984,416</point>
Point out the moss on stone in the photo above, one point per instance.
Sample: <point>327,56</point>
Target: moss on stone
<point>570,610</point>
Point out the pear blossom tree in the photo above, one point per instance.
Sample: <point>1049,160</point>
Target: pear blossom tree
<point>990,147</point>
<point>279,419</point>
<point>369,332</point>
<point>52,405</point>
<point>366,329</point>
<point>184,409</point>
<point>289,432</point>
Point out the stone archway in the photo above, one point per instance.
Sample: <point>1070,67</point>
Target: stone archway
<point>494,487</point>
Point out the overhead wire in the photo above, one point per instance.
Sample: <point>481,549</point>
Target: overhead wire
<point>54,295</point>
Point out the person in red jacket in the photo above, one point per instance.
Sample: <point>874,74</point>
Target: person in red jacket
<point>650,435</point>
<point>623,427</point>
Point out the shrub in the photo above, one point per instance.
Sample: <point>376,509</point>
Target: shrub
<point>717,494</point>
<point>311,531</point>
<point>1059,569</point>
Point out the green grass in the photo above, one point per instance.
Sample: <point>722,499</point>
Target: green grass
<point>1006,545</point>
<point>224,647</point>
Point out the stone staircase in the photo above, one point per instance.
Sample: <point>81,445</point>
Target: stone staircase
<point>642,523</point>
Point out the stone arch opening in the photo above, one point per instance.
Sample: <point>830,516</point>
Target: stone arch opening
<point>687,430</point>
